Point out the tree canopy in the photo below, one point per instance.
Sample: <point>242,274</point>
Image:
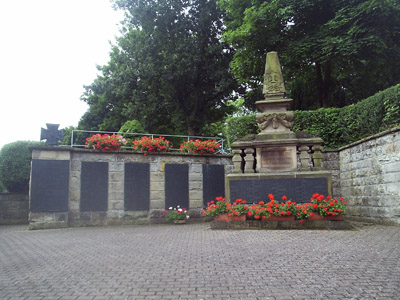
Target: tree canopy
<point>169,70</point>
<point>333,52</point>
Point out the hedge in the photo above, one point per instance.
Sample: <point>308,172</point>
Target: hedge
<point>15,165</point>
<point>336,126</point>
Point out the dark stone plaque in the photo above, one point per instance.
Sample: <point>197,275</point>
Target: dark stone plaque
<point>213,182</point>
<point>49,185</point>
<point>297,189</point>
<point>176,185</point>
<point>94,186</point>
<point>137,186</point>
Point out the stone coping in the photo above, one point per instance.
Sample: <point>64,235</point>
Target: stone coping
<point>285,225</point>
<point>127,152</point>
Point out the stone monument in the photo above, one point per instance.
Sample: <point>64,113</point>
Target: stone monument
<point>276,160</point>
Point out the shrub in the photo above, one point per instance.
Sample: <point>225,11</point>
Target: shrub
<point>15,165</point>
<point>239,127</point>
<point>132,126</point>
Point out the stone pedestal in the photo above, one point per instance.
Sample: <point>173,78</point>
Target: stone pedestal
<point>276,160</point>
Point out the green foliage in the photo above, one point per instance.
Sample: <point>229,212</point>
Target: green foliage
<point>239,127</point>
<point>67,136</point>
<point>15,165</point>
<point>132,126</point>
<point>333,52</point>
<point>169,69</point>
<point>336,126</point>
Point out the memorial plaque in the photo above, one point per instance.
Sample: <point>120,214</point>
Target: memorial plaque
<point>94,186</point>
<point>299,190</point>
<point>137,186</point>
<point>213,182</point>
<point>49,185</point>
<point>277,159</point>
<point>176,185</point>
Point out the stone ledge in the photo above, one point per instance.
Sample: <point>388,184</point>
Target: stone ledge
<point>285,225</point>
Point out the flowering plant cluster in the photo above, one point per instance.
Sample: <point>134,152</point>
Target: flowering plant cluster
<point>218,207</point>
<point>327,206</point>
<point>105,142</point>
<point>264,210</point>
<point>200,147</point>
<point>176,214</point>
<point>148,144</point>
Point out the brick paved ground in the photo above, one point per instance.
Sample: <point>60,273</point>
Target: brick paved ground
<point>193,262</point>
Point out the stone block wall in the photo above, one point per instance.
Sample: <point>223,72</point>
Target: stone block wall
<point>370,177</point>
<point>118,187</point>
<point>14,208</point>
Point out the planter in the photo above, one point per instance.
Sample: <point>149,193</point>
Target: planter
<point>318,217</point>
<point>180,222</point>
<point>221,218</point>
<point>279,218</point>
<point>239,218</point>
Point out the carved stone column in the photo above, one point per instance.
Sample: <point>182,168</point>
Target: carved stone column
<point>237,161</point>
<point>249,158</point>
<point>304,158</point>
<point>317,157</point>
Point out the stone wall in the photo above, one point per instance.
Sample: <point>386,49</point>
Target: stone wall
<point>366,174</point>
<point>97,190</point>
<point>370,177</point>
<point>14,208</point>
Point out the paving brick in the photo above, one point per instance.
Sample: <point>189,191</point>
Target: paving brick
<point>194,262</point>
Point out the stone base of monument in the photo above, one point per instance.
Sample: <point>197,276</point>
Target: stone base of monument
<point>276,225</point>
<point>296,186</point>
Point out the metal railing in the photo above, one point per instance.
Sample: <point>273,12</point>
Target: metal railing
<point>87,133</point>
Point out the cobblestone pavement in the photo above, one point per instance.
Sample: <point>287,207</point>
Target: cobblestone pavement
<point>193,262</point>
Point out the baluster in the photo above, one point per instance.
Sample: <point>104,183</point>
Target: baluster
<point>237,161</point>
<point>317,157</point>
<point>249,158</point>
<point>304,158</point>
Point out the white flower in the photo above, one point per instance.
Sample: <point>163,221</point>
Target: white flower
<point>170,208</point>
<point>179,209</point>
<point>178,206</point>
<point>187,216</point>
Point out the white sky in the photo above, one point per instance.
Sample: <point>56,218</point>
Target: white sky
<point>49,49</point>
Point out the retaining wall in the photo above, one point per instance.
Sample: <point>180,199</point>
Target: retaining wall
<point>14,208</point>
<point>369,177</point>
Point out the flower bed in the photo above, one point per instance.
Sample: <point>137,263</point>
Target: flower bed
<point>274,210</point>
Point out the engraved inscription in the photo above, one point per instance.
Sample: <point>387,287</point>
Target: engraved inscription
<point>277,159</point>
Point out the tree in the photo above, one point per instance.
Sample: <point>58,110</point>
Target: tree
<point>169,69</point>
<point>333,52</point>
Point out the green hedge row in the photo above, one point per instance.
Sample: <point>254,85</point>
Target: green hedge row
<point>15,166</point>
<point>336,126</point>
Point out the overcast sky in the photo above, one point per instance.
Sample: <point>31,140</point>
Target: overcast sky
<point>49,50</point>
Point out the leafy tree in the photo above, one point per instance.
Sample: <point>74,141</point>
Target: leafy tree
<point>169,69</point>
<point>333,52</point>
<point>15,165</point>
